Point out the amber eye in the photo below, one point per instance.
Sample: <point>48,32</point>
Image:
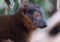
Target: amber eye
<point>36,15</point>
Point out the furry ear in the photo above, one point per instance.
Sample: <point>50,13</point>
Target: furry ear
<point>25,8</point>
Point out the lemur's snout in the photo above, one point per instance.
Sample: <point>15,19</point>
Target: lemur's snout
<point>40,23</point>
<point>43,25</point>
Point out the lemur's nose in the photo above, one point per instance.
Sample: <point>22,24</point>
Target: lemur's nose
<point>44,25</point>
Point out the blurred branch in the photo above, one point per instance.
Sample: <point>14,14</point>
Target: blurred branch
<point>58,5</point>
<point>7,1</point>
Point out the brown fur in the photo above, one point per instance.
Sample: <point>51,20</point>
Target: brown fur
<point>15,27</point>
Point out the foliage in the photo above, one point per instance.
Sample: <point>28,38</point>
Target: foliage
<point>10,12</point>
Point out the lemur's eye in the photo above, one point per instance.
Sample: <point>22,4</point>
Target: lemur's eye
<point>36,15</point>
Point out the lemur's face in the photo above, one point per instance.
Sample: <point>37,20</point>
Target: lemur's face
<point>35,13</point>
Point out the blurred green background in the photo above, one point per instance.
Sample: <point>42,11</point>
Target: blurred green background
<point>3,6</point>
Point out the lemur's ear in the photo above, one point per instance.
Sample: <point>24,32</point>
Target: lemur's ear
<point>25,8</point>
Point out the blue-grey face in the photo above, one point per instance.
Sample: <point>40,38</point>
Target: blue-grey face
<point>36,15</point>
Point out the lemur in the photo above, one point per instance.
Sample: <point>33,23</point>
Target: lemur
<point>20,26</point>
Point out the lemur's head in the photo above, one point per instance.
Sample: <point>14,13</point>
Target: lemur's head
<point>35,13</point>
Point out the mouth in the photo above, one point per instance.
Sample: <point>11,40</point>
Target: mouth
<point>42,26</point>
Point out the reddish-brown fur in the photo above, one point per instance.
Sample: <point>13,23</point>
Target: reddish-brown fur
<point>15,27</point>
